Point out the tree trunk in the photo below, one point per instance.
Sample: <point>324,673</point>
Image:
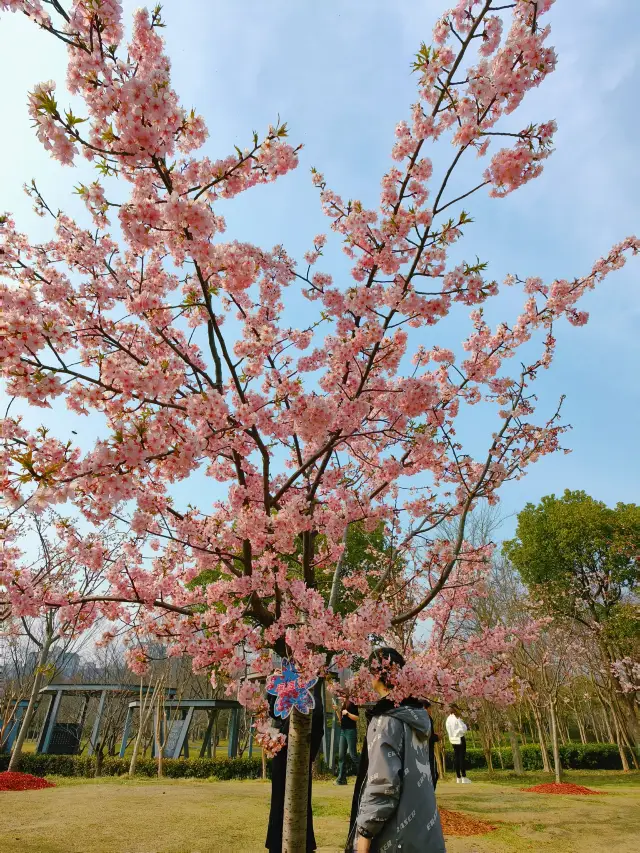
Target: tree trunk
<point>554,741</point>
<point>99,753</point>
<point>136,749</point>
<point>440,760</point>
<point>264,764</point>
<point>620,744</point>
<point>624,736</point>
<point>581,728</point>
<point>632,720</point>
<point>563,728</point>
<point>633,724</point>
<point>607,723</point>
<point>159,744</point>
<point>294,827</point>
<point>543,746</point>
<point>515,749</point>
<point>33,701</point>
<point>488,757</point>
<point>593,724</point>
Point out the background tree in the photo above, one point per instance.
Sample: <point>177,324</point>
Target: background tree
<point>57,564</point>
<point>579,558</point>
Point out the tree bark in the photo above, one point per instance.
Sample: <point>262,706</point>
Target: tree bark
<point>632,719</point>
<point>515,749</point>
<point>337,574</point>
<point>580,724</point>
<point>33,701</point>
<point>563,731</point>
<point>99,754</point>
<point>147,704</point>
<point>624,735</point>
<point>633,724</point>
<point>159,743</point>
<point>440,760</point>
<point>294,827</point>
<point>620,744</point>
<point>607,723</point>
<point>557,766</point>
<point>543,746</point>
<point>134,754</point>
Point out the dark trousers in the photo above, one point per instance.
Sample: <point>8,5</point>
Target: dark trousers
<point>459,754</point>
<point>347,747</point>
<point>278,782</point>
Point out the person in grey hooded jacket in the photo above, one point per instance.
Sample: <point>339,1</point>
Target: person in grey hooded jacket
<point>394,807</point>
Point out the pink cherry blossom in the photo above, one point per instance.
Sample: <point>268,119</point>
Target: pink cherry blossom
<point>146,314</point>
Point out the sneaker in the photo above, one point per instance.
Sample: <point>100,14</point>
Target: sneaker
<point>466,780</point>
<point>340,782</point>
<point>458,780</point>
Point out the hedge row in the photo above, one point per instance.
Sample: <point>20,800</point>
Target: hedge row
<point>590,756</point>
<point>83,765</point>
<point>574,756</point>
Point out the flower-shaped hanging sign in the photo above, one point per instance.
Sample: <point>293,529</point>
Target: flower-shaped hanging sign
<point>291,692</point>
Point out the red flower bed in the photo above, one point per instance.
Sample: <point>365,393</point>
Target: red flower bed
<point>561,788</point>
<point>22,782</point>
<point>455,823</point>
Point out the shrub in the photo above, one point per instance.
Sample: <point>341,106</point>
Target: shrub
<point>573,756</point>
<point>84,765</point>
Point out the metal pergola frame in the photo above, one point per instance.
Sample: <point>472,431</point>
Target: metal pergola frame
<point>6,745</point>
<point>55,692</point>
<point>186,708</point>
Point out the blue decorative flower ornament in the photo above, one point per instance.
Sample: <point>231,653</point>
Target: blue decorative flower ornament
<point>291,692</point>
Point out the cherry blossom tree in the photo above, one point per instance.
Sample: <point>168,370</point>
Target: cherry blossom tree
<point>179,340</point>
<point>63,559</point>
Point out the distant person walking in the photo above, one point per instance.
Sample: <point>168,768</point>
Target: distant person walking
<point>456,731</point>
<point>347,750</point>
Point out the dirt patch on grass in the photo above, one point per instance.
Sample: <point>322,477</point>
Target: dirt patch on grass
<point>456,823</point>
<point>10,781</point>
<point>561,788</point>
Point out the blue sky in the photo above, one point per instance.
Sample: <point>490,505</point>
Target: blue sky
<point>338,73</point>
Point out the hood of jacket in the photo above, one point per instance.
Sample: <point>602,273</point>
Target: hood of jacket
<point>416,718</point>
<point>409,711</point>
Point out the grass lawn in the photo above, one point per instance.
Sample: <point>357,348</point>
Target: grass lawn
<point>186,816</point>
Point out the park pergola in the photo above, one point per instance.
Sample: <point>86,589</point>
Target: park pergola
<point>65,738</point>
<point>55,737</point>
<point>15,720</point>
<point>180,712</point>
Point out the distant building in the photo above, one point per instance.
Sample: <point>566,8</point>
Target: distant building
<point>67,664</point>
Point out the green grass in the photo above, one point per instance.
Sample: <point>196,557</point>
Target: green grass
<point>588,778</point>
<point>119,815</point>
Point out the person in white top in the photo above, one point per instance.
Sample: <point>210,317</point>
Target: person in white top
<point>456,731</point>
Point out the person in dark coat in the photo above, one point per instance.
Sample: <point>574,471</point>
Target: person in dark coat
<point>433,740</point>
<point>279,773</point>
